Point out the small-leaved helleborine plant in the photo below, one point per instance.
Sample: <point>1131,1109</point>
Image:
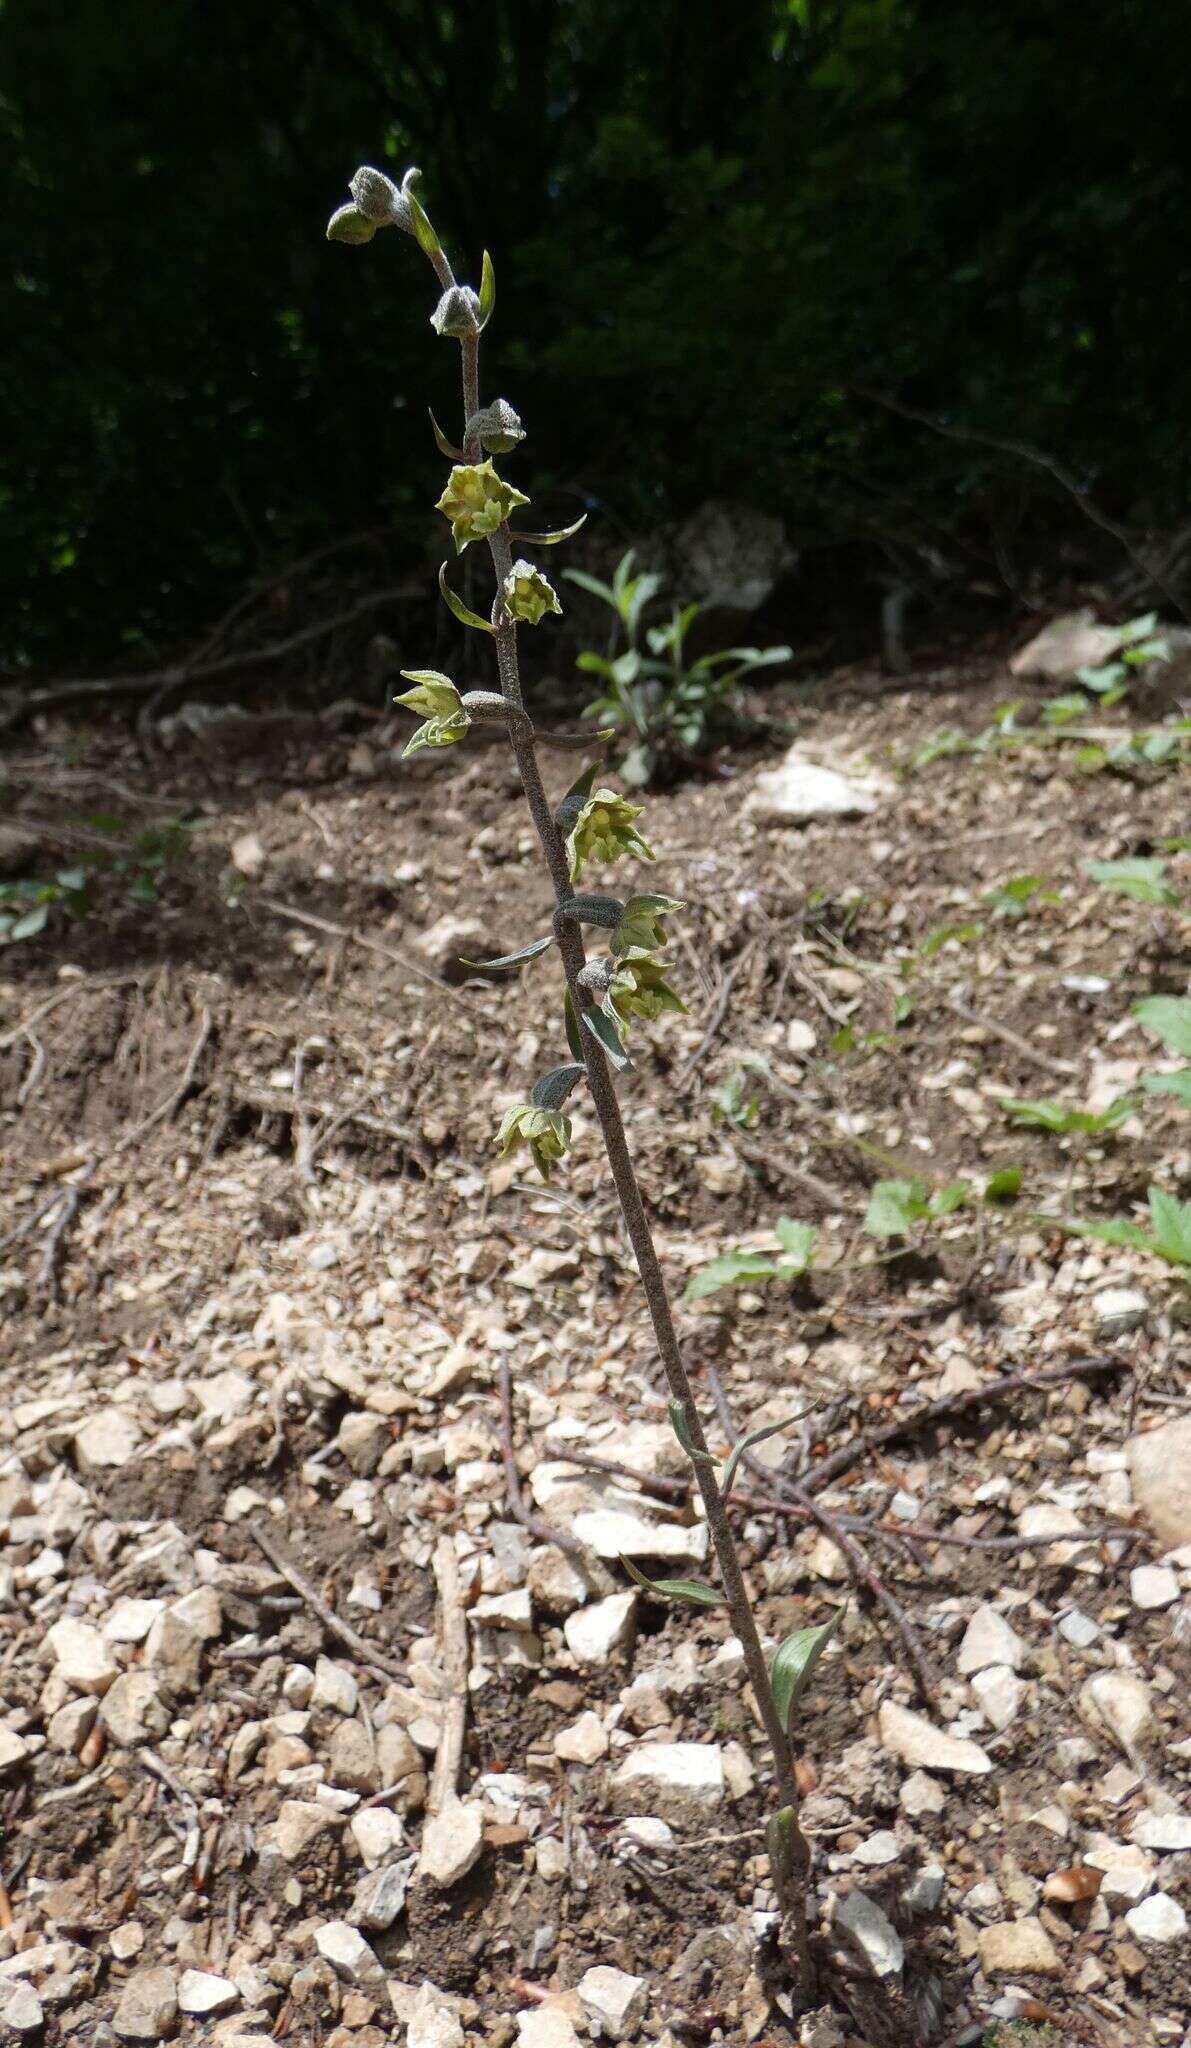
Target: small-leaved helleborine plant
<point>603,993</point>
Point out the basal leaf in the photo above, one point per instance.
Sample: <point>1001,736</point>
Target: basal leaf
<point>1169,1018</point>
<point>728,1271</point>
<point>1172,1227</point>
<point>1003,1186</point>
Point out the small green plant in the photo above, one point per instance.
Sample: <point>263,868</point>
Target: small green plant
<point>669,710</point>
<point>1169,1235</point>
<point>604,993</point>
<point>1141,876</point>
<point>1013,898</point>
<point>1047,1115</point>
<point>738,1269</point>
<point>134,862</point>
<point>1169,1018</point>
<point>731,1103</point>
<point>895,1206</point>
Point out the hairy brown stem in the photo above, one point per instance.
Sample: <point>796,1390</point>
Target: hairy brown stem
<point>791,1884</point>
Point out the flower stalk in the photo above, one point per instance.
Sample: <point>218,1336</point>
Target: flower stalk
<point>601,826</point>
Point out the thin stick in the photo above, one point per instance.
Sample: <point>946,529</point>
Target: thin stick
<point>343,1630</point>
<point>304,1136</point>
<point>654,1484</point>
<point>946,1405</point>
<point>65,995</point>
<point>347,932</point>
<point>1014,1039</point>
<point>176,1095</point>
<point>718,1012</point>
<point>444,1778</point>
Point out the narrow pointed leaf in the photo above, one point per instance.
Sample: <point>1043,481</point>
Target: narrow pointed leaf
<point>682,1430</point>
<point>487,290</point>
<point>583,784</point>
<point>456,604</point>
<point>553,1088</point>
<point>691,1590</point>
<point>574,742</point>
<point>604,1031</point>
<point>427,240</point>
<point>755,1436</point>
<point>1172,1227</point>
<point>517,959</point>
<point>444,446</point>
<point>550,540</point>
<point>794,1664</point>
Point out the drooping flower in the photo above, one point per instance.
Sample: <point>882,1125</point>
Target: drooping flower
<point>498,427</point>
<point>640,989</point>
<point>604,830</point>
<point>547,1133</point>
<point>477,501</point>
<point>527,594</point>
<point>436,697</point>
<point>640,923</point>
<point>376,202</point>
<point>457,312</point>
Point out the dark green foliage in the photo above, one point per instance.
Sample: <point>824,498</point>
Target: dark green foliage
<point>728,220</point>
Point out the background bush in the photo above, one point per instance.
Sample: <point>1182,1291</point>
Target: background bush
<point>712,225</point>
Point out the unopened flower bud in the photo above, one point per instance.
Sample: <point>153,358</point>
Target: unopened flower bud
<point>498,427</point>
<point>527,595</point>
<point>457,312</point>
<point>348,224</point>
<point>598,975</point>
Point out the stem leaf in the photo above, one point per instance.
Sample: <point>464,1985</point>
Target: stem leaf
<point>551,1091</point>
<point>487,290</point>
<point>444,446</point>
<point>794,1663</point>
<point>682,1430</point>
<point>456,605</point>
<point>426,237</point>
<point>549,540</point>
<point>517,959</point>
<point>755,1436</point>
<point>604,1031</point>
<point>693,1591</point>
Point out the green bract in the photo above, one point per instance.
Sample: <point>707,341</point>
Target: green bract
<point>640,989</point>
<point>477,502</point>
<point>348,224</point>
<point>604,830</point>
<point>547,1132</point>
<point>527,595</point>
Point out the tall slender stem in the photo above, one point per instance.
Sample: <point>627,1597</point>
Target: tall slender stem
<point>789,1883</point>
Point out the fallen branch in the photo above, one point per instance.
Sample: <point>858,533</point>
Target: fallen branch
<point>444,1777</point>
<point>359,1645</point>
<point>945,1406</point>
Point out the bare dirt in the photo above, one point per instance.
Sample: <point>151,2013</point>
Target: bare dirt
<point>238,1258</point>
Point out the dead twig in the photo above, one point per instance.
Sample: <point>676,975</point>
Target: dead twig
<point>1008,1036</point>
<point>655,1484</point>
<point>718,1012</point>
<point>343,1631</point>
<point>304,1131</point>
<point>87,986</point>
<point>347,932</point>
<point>862,1568</point>
<point>51,1257</point>
<point>945,1406</point>
<point>177,1094</point>
<point>444,1777</point>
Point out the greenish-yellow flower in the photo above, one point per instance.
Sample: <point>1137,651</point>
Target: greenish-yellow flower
<point>527,595</point>
<point>604,830</point>
<point>640,989</point>
<point>640,923</point>
<point>439,702</point>
<point>547,1133</point>
<point>477,501</point>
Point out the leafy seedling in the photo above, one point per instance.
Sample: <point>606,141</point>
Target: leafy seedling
<point>1047,1115</point>
<point>895,1206</point>
<point>737,1269</point>
<point>1140,876</point>
<point>1168,1238</point>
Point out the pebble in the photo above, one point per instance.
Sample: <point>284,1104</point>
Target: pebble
<point>1078,1629</point>
<point>1169,1833</point>
<point>433,2023</point>
<point>451,1843</point>
<point>546,2026</point>
<point>798,790</point>
<point>380,1898</point>
<point>612,2002</point>
<point>925,1889</point>
<point>584,1742</point>
<point>12,1750</point>
<point>878,1849</point>
<point>1153,1586</point>
<point>148,2008</point>
<point>127,1940</point>
<point>376,1833</point>
<point>1018,1945</point>
<point>595,1633</point>
<point>612,1532</point>
<point>1160,1468</point>
<point>920,1795</point>
<point>299,1823</point>
<point>351,1758</point>
<point>106,1441</point>
<point>201,1993</point>
<point>919,1743</point>
<point>133,1709</point>
<point>691,1771</point>
<point>1120,1309</point>
<point>990,1639</point>
<point>1122,1703</point>
<point>129,1621</point>
<point>1158,1918</point>
<point>344,1947</point>
<point>999,1692</point>
<point>334,1687</point>
<point>21,2008</point>
<point>81,1656</point>
<point>868,1933</point>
